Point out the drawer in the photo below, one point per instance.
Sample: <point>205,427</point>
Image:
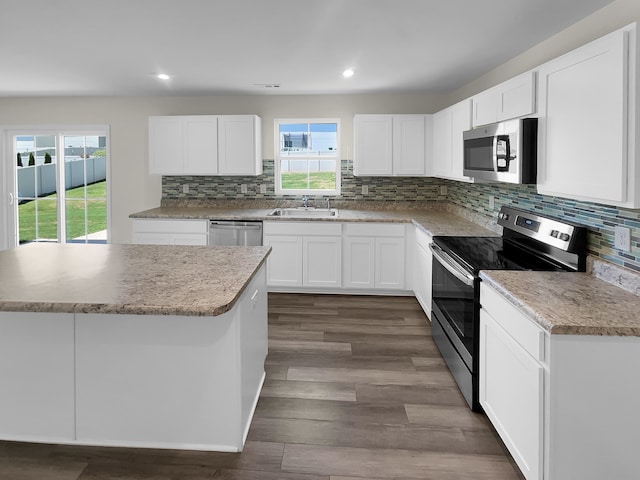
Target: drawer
<point>302,228</point>
<point>366,229</point>
<point>518,325</point>
<point>170,226</point>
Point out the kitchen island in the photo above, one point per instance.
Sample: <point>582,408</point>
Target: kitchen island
<point>131,345</point>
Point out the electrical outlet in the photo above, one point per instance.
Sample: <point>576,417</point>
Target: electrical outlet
<point>263,188</point>
<point>443,189</point>
<point>623,238</point>
<point>492,202</point>
<point>185,188</point>
<point>365,189</point>
<point>243,188</point>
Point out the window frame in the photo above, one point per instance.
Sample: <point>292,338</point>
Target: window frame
<point>278,158</point>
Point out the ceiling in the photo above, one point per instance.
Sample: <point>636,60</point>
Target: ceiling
<point>117,47</point>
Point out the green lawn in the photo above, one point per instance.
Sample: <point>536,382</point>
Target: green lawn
<point>96,209</point>
<point>317,181</point>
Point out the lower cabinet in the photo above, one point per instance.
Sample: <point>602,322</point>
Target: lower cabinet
<point>284,264</point>
<point>511,393</point>
<point>332,255</point>
<point>374,256</point>
<point>304,254</point>
<point>566,406</point>
<point>170,231</point>
<point>422,269</point>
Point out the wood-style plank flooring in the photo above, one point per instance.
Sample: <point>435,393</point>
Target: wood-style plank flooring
<point>356,389</point>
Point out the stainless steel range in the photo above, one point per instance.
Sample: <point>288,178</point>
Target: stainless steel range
<point>530,241</point>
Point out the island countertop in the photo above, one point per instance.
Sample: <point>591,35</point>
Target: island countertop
<point>131,279</point>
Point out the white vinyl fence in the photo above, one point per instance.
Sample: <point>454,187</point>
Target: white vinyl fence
<point>40,180</point>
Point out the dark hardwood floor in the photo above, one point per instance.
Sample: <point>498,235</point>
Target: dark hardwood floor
<point>355,389</point>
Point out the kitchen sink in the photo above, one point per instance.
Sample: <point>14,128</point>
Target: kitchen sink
<point>304,212</point>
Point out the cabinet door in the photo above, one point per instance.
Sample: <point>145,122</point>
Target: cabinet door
<point>237,145</point>
<point>201,145</point>
<point>284,264</point>
<point>152,238</point>
<point>389,262</point>
<point>321,261</point>
<point>460,122</point>
<point>582,132</point>
<point>373,150</point>
<point>189,239</point>
<point>485,107</point>
<point>359,262</point>
<point>442,143</point>
<point>166,145</point>
<point>517,97</point>
<point>511,393</point>
<point>408,144</point>
<point>422,271</point>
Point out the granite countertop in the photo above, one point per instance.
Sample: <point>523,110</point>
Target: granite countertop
<point>432,221</point>
<point>126,279</point>
<point>569,303</point>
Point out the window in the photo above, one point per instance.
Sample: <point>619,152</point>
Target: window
<point>307,156</point>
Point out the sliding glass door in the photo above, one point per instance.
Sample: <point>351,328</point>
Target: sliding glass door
<point>61,186</point>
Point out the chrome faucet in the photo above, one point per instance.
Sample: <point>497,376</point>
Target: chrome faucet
<point>305,201</point>
<point>328,204</point>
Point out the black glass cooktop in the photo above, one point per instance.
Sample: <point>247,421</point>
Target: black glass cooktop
<point>492,253</point>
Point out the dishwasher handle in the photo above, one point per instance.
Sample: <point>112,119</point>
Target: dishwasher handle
<point>224,226</point>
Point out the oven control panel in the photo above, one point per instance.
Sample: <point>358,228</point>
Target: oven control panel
<point>544,229</point>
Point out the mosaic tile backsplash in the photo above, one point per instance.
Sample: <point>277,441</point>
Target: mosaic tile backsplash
<point>599,219</point>
<point>228,188</point>
<point>475,198</point>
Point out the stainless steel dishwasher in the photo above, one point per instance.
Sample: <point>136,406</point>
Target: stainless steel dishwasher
<point>233,232</point>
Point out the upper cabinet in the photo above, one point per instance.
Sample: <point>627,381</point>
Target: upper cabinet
<point>391,145</point>
<point>587,132</point>
<point>448,125</point>
<point>514,98</point>
<point>205,145</point>
<point>239,145</point>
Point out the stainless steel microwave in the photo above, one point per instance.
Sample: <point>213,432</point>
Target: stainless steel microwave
<point>502,152</point>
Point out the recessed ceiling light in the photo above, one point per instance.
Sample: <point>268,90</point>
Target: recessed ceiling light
<point>348,73</point>
<point>163,76</point>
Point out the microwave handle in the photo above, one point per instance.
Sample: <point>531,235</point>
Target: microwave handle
<point>506,157</point>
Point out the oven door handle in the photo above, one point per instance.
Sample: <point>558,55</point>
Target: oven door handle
<point>447,262</point>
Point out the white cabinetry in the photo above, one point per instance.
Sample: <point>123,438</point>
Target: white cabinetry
<point>183,145</point>
<point>448,125</point>
<point>511,99</point>
<point>512,380</point>
<point>422,270</point>
<point>239,145</point>
<point>170,232</point>
<point>564,405</point>
<point>391,145</point>
<point>205,145</point>
<point>304,254</point>
<point>374,256</point>
<point>587,133</point>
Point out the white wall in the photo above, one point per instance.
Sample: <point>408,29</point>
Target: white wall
<point>133,189</point>
<point>616,15</point>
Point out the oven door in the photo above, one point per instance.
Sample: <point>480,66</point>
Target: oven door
<point>455,302</point>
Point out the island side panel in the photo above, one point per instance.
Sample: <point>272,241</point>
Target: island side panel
<point>36,377</point>
<point>158,381</point>
<point>254,345</point>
